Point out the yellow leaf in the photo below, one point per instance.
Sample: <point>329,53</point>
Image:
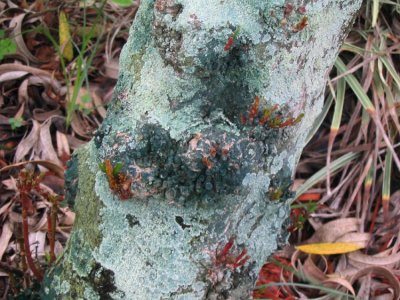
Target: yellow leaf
<point>329,248</point>
<point>65,37</point>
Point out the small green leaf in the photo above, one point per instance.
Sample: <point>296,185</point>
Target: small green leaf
<point>321,174</point>
<point>2,33</point>
<point>117,168</point>
<point>7,46</point>
<point>15,122</point>
<point>102,167</point>
<point>86,98</point>
<point>123,2</point>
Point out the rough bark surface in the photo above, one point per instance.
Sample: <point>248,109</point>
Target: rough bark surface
<point>202,174</point>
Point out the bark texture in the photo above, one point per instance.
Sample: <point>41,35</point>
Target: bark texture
<point>204,171</point>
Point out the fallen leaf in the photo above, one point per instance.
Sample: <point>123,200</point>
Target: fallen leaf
<point>27,143</point>
<point>111,68</point>
<point>57,169</point>
<point>5,237</point>
<point>329,248</point>
<point>23,92</point>
<point>62,144</point>
<point>99,105</point>
<point>65,37</point>
<point>360,260</point>
<point>42,115</point>
<point>334,281</point>
<point>16,24</point>
<point>12,75</point>
<point>390,278</point>
<point>331,231</point>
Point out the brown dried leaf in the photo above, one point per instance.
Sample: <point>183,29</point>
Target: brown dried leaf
<point>18,67</point>
<point>5,237</point>
<point>5,207</point>
<point>28,142</point>
<point>10,184</point>
<point>16,24</point>
<point>333,230</point>
<point>360,260</point>
<point>42,115</point>
<point>98,102</point>
<point>20,112</point>
<point>334,281</point>
<point>13,75</point>
<point>57,169</point>
<point>358,238</point>
<point>74,142</point>
<point>79,126</point>
<point>45,145</point>
<point>62,144</point>
<point>111,68</point>
<point>393,282</point>
<point>311,271</point>
<point>68,217</point>
<point>23,92</point>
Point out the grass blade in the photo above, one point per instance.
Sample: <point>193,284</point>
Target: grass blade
<point>355,86</point>
<point>387,173</point>
<point>367,104</point>
<point>375,12</point>
<point>321,117</point>
<point>321,174</point>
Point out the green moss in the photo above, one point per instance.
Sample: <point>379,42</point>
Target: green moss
<point>74,275</point>
<point>88,202</point>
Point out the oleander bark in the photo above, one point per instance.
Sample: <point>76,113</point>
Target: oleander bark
<point>206,166</point>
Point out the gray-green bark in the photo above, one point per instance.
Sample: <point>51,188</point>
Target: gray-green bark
<point>200,175</point>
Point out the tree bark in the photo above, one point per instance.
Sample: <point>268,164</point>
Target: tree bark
<point>206,121</point>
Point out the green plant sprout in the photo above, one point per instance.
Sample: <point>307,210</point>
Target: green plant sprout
<point>7,45</point>
<point>123,3</point>
<point>15,122</point>
<point>82,63</point>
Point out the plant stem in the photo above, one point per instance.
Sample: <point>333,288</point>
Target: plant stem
<point>38,273</point>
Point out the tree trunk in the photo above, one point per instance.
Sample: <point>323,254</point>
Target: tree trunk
<point>206,123</point>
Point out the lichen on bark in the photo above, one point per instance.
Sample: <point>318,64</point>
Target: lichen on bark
<point>201,176</point>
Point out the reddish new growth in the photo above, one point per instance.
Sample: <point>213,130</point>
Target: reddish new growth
<point>287,10</point>
<point>274,272</point>
<point>27,184</point>
<point>229,43</point>
<point>301,24</point>
<point>278,123</point>
<point>231,40</point>
<point>119,183</point>
<point>267,117</point>
<point>226,259</point>
<point>302,9</point>
<point>206,162</point>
